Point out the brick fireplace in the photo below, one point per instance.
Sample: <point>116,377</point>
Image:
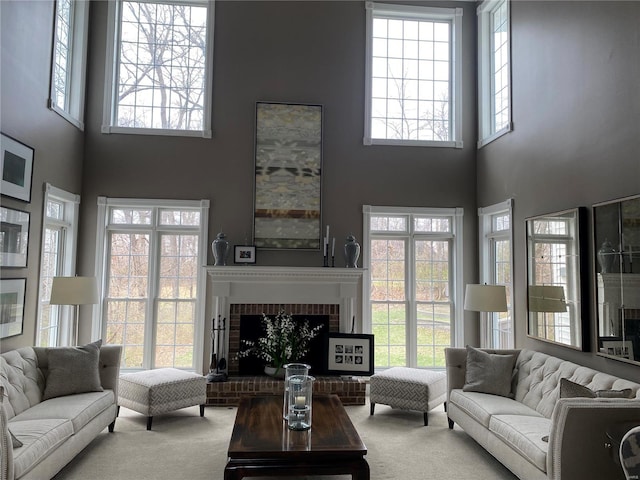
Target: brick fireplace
<point>251,290</point>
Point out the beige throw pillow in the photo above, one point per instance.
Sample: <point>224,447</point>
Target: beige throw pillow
<point>489,372</point>
<point>569,389</point>
<point>73,370</point>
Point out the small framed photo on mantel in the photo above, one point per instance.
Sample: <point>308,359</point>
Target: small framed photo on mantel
<point>349,354</point>
<point>244,254</point>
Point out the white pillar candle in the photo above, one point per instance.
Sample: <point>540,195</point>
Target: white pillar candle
<point>333,247</point>
<point>300,402</point>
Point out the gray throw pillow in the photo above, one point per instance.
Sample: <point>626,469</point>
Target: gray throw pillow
<point>569,389</point>
<point>73,370</point>
<point>16,443</point>
<point>489,372</point>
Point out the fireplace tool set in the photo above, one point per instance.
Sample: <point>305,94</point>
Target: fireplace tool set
<point>218,361</point>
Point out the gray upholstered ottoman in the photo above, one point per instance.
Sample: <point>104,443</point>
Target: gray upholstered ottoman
<point>409,389</point>
<point>151,392</point>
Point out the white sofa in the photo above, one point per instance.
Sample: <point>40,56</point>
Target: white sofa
<point>55,430</point>
<point>512,429</point>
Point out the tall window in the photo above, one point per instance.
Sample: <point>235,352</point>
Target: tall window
<point>494,75</point>
<point>152,254</point>
<point>59,232</point>
<point>413,74</point>
<point>159,73</point>
<point>413,257</point>
<point>68,61</point>
<point>496,268</point>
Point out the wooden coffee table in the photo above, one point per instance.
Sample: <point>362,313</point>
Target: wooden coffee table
<point>262,444</point>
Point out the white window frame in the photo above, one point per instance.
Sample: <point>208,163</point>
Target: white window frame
<point>111,73</point>
<point>454,15</point>
<point>486,120</point>
<point>73,110</point>
<point>487,265</point>
<point>104,207</point>
<point>66,257</point>
<point>457,216</point>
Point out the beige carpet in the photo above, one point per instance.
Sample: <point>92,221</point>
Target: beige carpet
<point>183,446</point>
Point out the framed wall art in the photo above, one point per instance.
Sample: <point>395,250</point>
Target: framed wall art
<point>14,237</point>
<point>11,306</point>
<point>244,254</point>
<point>16,165</point>
<point>288,176</point>
<point>349,354</point>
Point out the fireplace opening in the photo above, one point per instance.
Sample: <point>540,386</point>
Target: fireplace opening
<point>251,328</point>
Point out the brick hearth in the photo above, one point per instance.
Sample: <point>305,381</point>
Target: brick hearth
<point>351,391</point>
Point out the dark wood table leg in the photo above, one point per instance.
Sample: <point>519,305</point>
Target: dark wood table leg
<point>362,471</point>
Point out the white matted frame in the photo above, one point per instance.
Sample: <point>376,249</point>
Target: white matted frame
<point>244,254</point>
<point>16,166</point>
<point>14,231</point>
<point>618,348</point>
<point>350,354</point>
<point>12,306</point>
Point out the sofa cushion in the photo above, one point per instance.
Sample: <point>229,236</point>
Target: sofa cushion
<point>488,373</point>
<point>79,409</point>
<point>481,406</point>
<point>569,389</point>
<point>524,434</point>
<point>73,370</point>
<point>39,439</point>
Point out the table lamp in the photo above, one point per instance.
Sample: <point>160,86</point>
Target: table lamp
<point>485,298</point>
<point>74,291</point>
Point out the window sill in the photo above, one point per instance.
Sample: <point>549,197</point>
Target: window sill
<point>156,131</point>
<point>486,141</point>
<point>413,143</point>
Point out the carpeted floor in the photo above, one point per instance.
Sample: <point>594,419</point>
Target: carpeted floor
<point>184,446</point>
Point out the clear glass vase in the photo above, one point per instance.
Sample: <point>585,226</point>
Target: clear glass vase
<point>300,402</point>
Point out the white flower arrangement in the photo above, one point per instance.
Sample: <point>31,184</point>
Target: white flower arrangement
<point>285,340</point>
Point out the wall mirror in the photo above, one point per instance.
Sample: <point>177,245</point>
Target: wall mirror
<point>557,308</point>
<point>616,230</point>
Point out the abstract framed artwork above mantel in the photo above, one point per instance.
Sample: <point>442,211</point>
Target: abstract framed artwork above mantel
<point>288,176</point>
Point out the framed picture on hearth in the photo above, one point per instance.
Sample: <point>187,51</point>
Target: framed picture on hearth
<point>288,176</point>
<point>16,166</point>
<point>349,354</point>
<point>11,306</point>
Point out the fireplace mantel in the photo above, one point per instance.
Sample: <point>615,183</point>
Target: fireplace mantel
<point>229,285</point>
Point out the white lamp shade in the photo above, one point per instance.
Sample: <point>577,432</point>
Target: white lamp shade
<point>546,298</point>
<point>74,291</point>
<point>485,298</point>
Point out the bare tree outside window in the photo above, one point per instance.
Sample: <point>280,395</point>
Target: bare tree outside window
<point>161,66</point>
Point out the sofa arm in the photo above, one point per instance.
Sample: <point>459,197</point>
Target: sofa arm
<point>456,365</point>
<point>6,446</point>
<point>109,365</point>
<point>578,436</point>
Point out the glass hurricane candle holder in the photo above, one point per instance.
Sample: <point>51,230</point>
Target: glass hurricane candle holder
<point>290,370</point>
<point>300,402</point>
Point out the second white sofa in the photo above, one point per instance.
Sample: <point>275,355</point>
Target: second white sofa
<point>531,430</point>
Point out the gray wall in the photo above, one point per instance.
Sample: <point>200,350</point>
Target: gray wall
<point>576,114</point>
<point>26,31</point>
<point>299,52</point>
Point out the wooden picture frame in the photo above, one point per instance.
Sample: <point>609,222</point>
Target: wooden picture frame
<point>349,354</point>
<point>16,166</point>
<point>12,294</point>
<point>244,254</point>
<point>14,228</point>
<point>288,176</point>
